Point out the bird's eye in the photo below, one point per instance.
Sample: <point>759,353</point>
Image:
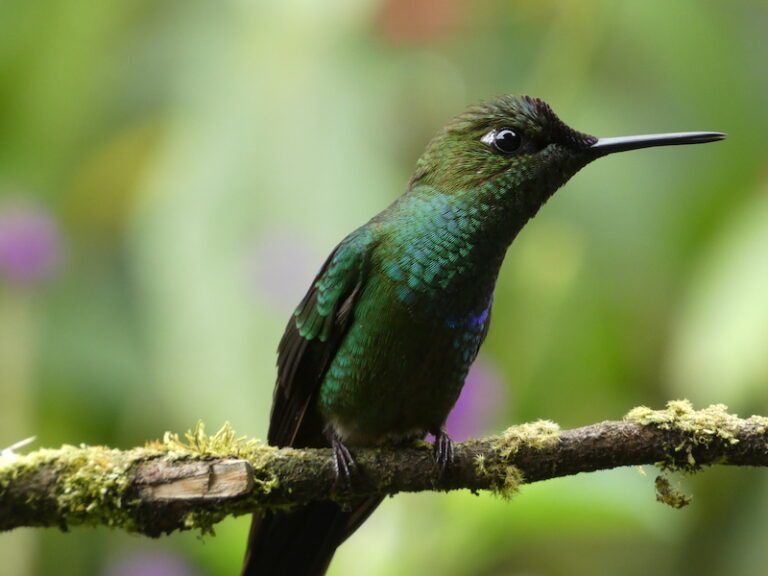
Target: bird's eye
<point>504,140</point>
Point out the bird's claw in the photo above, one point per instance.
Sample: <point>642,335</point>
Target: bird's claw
<point>443,452</point>
<point>343,463</point>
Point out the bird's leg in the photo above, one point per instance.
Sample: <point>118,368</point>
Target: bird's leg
<point>443,451</point>
<point>343,462</point>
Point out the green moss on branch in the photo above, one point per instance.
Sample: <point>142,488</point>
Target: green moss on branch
<point>194,481</point>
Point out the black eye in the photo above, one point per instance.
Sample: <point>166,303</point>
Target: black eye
<point>504,140</point>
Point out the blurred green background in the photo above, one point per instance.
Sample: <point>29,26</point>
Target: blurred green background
<point>173,173</point>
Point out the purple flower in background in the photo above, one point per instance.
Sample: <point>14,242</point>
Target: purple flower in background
<point>30,243</point>
<point>159,563</point>
<point>282,268</point>
<point>482,400</point>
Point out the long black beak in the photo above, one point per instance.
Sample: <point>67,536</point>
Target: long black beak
<point>605,146</point>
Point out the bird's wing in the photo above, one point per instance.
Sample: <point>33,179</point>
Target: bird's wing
<point>311,339</point>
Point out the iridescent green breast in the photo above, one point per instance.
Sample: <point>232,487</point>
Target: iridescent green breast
<point>418,322</point>
<point>397,373</point>
<point>417,327</point>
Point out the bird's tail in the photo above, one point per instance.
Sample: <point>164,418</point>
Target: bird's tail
<point>301,541</point>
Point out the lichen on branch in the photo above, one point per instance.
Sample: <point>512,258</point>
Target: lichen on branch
<point>196,480</point>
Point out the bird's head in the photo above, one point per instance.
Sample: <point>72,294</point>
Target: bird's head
<point>514,151</point>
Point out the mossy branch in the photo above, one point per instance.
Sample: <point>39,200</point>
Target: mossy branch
<point>195,482</point>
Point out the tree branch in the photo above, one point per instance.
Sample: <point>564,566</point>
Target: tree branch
<point>193,483</point>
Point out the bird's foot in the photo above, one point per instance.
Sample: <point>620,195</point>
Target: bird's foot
<point>443,452</point>
<point>343,462</point>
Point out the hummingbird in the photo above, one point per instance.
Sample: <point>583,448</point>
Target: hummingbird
<point>377,351</point>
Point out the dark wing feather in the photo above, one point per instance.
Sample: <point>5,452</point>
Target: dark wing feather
<point>310,342</point>
<point>303,540</point>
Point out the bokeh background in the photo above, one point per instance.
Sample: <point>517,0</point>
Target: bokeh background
<point>173,173</point>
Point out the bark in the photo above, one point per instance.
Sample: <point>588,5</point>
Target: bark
<point>194,483</point>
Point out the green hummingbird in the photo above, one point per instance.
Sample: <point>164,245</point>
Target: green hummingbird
<point>377,351</point>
